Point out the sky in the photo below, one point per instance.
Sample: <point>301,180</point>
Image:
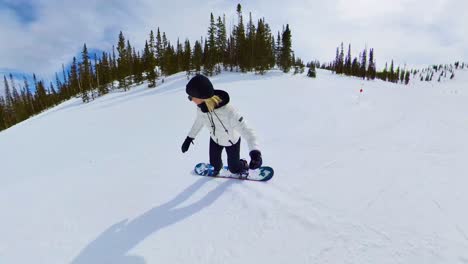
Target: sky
<point>38,36</point>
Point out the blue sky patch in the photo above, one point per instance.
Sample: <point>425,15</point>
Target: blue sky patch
<point>25,10</point>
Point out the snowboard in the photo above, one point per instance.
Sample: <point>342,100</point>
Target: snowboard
<point>263,173</point>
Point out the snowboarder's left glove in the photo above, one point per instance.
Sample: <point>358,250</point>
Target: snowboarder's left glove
<point>255,159</point>
<point>186,144</point>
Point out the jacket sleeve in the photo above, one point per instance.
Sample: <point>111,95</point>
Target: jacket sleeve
<point>197,126</point>
<point>238,122</point>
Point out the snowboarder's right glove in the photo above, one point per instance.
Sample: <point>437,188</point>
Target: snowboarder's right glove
<point>186,144</point>
<point>255,159</point>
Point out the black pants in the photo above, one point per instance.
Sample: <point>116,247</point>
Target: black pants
<point>233,154</point>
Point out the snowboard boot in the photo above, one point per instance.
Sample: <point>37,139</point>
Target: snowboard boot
<point>216,170</point>
<point>244,172</point>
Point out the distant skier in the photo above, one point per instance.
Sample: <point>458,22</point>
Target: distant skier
<point>226,126</point>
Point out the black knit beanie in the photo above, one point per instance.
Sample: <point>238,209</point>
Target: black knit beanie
<point>200,87</point>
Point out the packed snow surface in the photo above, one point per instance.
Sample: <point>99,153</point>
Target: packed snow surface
<point>378,176</point>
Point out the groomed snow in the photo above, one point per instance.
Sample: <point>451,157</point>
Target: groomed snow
<point>372,177</point>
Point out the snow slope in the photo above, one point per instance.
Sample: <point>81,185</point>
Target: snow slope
<point>372,177</point>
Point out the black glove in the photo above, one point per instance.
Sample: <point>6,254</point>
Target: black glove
<point>255,159</point>
<point>186,144</point>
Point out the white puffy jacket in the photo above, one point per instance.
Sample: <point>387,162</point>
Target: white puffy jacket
<point>226,125</point>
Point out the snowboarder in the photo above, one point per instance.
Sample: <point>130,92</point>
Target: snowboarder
<point>226,127</point>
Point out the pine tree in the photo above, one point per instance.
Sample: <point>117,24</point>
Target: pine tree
<point>187,55</point>
<point>165,42</point>
<point>348,62</point>
<point>164,60</point>
<point>51,95</point>
<point>29,96</point>
<point>286,51</point>
<point>402,75</point>
<point>137,67</point>
<point>12,81</point>
<point>159,48</point>
<point>65,90</point>
<point>392,73</point>
<point>85,75</point>
<point>385,73</point>
<point>93,79</point>
<point>240,42</point>
<point>341,56</point>
<point>212,51</point>
<point>372,68</point>
<point>114,68</point>
<point>8,107</point>
<point>125,62</point>
<point>336,62</point>
<point>278,48</point>
<point>122,62</point>
<point>8,96</point>
<point>26,108</point>
<point>363,70</point>
<point>221,42</point>
<point>270,46</point>
<point>170,59</point>
<point>250,44</point>
<point>167,59</point>
<point>207,68</point>
<point>355,67</point>
<point>166,51</point>
<point>2,114</point>
<point>407,77</point>
<point>197,57</point>
<point>40,96</point>
<point>293,59</point>
<point>428,77</point>
<point>230,53</point>
<point>59,85</point>
<point>130,69</point>
<point>105,73</point>
<point>152,43</point>
<point>262,48</point>
<point>16,101</point>
<point>18,109</point>
<point>397,75</point>
<point>149,63</point>
<point>179,56</point>
<point>74,83</point>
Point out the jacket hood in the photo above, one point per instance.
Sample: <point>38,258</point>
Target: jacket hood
<point>224,97</point>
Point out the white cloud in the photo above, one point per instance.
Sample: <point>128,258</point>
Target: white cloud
<point>62,27</point>
<point>410,31</point>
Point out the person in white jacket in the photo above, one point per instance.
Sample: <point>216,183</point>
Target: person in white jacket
<point>226,127</point>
